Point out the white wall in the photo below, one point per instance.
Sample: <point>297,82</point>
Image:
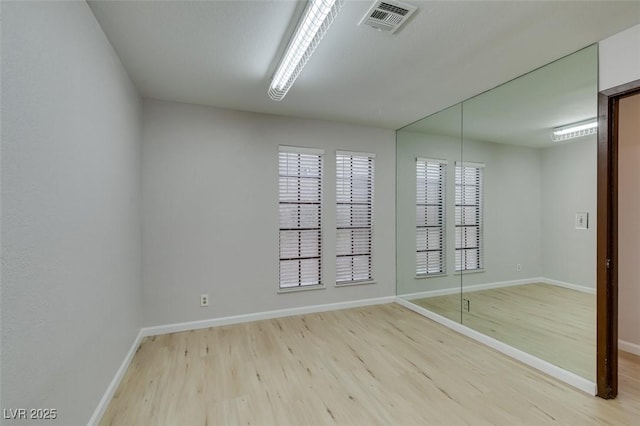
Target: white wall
<point>210,210</point>
<point>619,58</point>
<point>71,234</point>
<point>511,209</point>
<point>569,180</point>
<point>628,224</point>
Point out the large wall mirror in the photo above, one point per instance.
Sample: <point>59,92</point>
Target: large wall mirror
<point>496,204</point>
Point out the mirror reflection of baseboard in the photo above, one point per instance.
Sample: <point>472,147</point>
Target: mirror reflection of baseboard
<point>503,223</point>
<point>559,373</point>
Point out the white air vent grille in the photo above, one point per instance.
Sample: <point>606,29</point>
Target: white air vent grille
<point>387,15</point>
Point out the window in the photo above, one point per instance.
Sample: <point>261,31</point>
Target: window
<point>430,216</point>
<point>300,202</point>
<point>354,217</point>
<point>469,221</point>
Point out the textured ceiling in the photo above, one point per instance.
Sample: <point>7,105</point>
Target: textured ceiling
<point>223,54</point>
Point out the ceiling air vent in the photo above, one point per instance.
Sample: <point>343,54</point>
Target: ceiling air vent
<point>387,15</point>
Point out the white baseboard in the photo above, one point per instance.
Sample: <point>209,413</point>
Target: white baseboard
<point>629,347</point>
<point>500,284</point>
<point>469,288</point>
<point>550,369</point>
<point>570,286</point>
<point>115,382</point>
<point>537,363</point>
<point>238,319</point>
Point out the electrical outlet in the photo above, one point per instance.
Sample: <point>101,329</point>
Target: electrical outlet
<point>518,267</point>
<point>204,300</point>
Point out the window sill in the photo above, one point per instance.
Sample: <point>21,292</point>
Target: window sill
<point>350,284</point>
<point>443,274</point>
<point>301,288</point>
<point>473,271</point>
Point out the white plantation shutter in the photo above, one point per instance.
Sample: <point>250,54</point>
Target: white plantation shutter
<point>430,216</point>
<point>354,217</point>
<point>469,219</point>
<point>300,202</point>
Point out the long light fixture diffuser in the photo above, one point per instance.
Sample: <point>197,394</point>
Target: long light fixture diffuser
<point>575,130</point>
<point>316,19</point>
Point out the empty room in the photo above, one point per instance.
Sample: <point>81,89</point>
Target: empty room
<point>345,212</point>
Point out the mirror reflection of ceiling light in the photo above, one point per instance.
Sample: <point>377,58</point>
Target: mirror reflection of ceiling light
<point>575,130</point>
<point>316,19</point>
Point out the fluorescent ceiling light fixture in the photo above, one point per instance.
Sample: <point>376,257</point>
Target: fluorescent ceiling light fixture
<point>575,130</point>
<point>316,19</point>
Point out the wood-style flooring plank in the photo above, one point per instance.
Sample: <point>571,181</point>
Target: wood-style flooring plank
<point>377,365</point>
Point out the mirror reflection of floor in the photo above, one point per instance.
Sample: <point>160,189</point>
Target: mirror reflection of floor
<point>553,323</point>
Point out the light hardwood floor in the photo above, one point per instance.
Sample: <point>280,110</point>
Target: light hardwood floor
<point>364,366</point>
<point>553,323</point>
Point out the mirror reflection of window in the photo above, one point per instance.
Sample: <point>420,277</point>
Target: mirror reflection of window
<point>469,226</point>
<point>518,250</point>
<point>430,216</point>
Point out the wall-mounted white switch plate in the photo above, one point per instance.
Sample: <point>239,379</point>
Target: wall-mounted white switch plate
<point>582,220</point>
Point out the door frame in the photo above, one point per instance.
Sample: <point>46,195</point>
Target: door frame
<point>607,238</point>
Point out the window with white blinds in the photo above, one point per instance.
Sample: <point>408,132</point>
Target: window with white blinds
<point>300,202</point>
<point>430,216</point>
<point>354,217</point>
<point>469,220</point>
